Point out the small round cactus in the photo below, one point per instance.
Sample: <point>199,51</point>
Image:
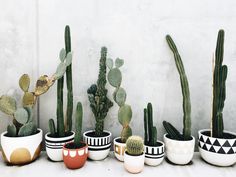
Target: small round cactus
<point>134,145</point>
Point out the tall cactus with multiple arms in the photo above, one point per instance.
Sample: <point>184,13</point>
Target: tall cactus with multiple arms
<point>219,88</point>
<point>150,136</point>
<point>186,97</point>
<point>97,94</point>
<point>65,66</point>
<point>119,96</point>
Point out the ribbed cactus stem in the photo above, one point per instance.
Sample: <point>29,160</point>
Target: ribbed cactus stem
<point>60,114</point>
<point>78,123</point>
<point>52,127</point>
<point>145,126</point>
<point>219,88</point>
<point>69,110</point>
<point>150,122</point>
<point>185,89</point>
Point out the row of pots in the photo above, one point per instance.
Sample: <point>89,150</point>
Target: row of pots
<point>23,150</point>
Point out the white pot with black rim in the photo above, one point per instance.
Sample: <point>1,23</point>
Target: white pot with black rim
<point>54,145</point>
<point>217,151</point>
<point>98,146</point>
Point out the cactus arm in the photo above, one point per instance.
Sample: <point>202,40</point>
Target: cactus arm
<point>154,133</point>
<point>150,122</point>
<point>69,109</point>
<point>60,115</point>
<point>145,126</point>
<point>52,127</point>
<point>172,131</point>
<point>185,89</point>
<point>78,123</point>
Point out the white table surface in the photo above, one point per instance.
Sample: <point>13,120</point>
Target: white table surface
<point>42,167</point>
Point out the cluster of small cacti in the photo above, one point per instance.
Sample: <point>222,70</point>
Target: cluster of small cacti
<point>64,67</point>
<point>150,131</point>
<point>134,145</point>
<point>119,96</point>
<point>97,94</point>
<point>219,89</point>
<point>172,132</point>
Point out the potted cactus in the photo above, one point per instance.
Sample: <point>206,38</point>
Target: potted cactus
<point>134,154</point>
<point>154,149</point>
<point>75,153</point>
<point>22,142</point>
<point>180,147</point>
<point>125,111</point>
<point>99,140</point>
<point>57,137</point>
<point>216,145</point>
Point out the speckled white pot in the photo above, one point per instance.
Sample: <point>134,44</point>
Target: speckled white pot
<point>119,149</point>
<point>134,164</point>
<point>179,152</point>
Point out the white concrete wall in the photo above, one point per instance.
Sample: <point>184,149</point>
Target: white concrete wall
<point>31,35</point>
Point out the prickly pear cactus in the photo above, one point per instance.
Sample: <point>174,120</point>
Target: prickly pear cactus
<point>134,145</point>
<point>7,104</point>
<point>24,82</point>
<point>119,95</point>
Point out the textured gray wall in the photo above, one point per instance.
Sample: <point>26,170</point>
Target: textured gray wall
<point>31,36</point>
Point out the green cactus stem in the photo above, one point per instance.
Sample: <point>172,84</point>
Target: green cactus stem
<point>134,145</point>
<point>219,88</point>
<point>52,127</point>
<point>78,123</point>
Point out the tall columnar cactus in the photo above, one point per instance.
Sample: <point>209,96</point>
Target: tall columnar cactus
<point>65,66</point>
<point>219,88</point>
<point>186,96</point>
<point>78,123</point>
<point>119,96</point>
<point>134,145</point>
<point>150,136</point>
<point>97,95</point>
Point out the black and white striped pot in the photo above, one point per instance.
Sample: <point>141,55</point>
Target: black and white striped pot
<point>98,147</point>
<point>154,155</point>
<point>54,145</point>
<point>217,151</point>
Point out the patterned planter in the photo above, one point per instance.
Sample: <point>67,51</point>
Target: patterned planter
<point>133,164</point>
<point>217,151</point>
<point>154,155</point>
<point>75,158</point>
<point>21,150</point>
<point>119,149</point>
<point>54,146</point>
<point>179,152</point>
<point>98,147</point>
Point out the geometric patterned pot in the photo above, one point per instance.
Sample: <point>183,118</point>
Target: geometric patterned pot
<point>21,150</point>
<point>154,155</point>
<point>119,149</point>
<point>217,151</point>
<point>98,147</point>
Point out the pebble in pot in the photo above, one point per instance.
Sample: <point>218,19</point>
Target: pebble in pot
<point>134,154</point>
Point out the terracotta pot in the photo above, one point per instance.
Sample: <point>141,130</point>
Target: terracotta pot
<point>133,164</point>
<point>154,155</point>
<point>217,151</point>
<point>75,158</point>
<point>98,147</point>
<point>21,150</point>
<point>179,152</point>
<point>55,145</point>
<point>119,149</point>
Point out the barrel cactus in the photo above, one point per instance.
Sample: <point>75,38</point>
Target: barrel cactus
<point>125,112</point>
<point>97,95</point>
<point>134,145</point>
<point>172,132</point>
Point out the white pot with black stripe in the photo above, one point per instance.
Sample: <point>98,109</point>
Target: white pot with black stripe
<point>154,155</point>
<point>54,145</point>
<point>98,147</point>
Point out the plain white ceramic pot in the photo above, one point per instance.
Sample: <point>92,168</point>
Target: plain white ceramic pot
<point>54,146</point>
<point>21,150</point>
<point>217,151</point>
<point>98,147</point>
<point>119,149</point>
<point>154,155</point>
<point>179,152</point>
<point>134,164</point>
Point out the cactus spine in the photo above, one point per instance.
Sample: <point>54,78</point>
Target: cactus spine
<point>119,96</point>
<point>185,93</point>
<point>97,95</point>
<point>219,88</point>
<point>150,136</point>
<point>134,145</point>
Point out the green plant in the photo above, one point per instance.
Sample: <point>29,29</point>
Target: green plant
<point>150,136</point>
<point>78,124</point>
<point>219,87</point>
<point>97,95</point>
<point>119,96</point>
<point>65,66</point>
<point>134,145</point>
<point>172,132</point>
